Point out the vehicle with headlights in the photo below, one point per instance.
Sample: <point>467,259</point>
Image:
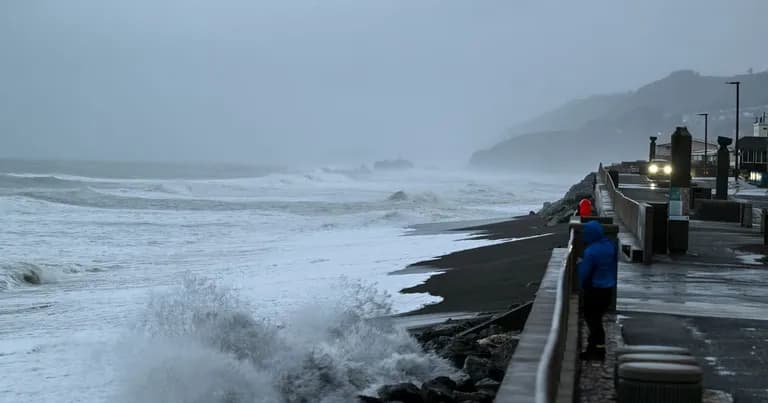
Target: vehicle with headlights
<point>659,170</point>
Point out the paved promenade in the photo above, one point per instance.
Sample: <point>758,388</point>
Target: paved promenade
<point>713,300</point>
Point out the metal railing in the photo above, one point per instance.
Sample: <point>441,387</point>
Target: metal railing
<point>536,370</point>
<point>551,363</point>
<point>534,373</point>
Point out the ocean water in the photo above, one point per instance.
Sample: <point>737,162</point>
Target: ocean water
<point>267,287</point>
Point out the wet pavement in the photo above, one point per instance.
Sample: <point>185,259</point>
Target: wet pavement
<point>757,201</point>
<point>732,352</point>
<point>713,300</point>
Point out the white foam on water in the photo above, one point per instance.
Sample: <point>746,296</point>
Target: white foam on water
<point>196,290</point>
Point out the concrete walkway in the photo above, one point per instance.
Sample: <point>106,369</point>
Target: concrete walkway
<point>713,300</point>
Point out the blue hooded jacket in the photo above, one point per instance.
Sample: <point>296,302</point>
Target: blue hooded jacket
<point>599,266</point>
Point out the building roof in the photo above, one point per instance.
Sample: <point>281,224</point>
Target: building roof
<point>753,143</point>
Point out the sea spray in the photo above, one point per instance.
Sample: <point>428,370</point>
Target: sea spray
<point>201,343</point>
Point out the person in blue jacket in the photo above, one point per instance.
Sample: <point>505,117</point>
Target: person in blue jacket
<point>597,277</point>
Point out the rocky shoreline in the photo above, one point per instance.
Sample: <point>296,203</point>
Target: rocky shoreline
<point>481,347</point>
<point>560,211</point>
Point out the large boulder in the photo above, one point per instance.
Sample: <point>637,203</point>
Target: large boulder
<point>487,385</point>
<point>465,384</point>
<point>472,397</point>
<point>460,347</point>
<point>477,368</point>
<point>443,382</point>
<point>368,399</point>
<point>401,392</point>
<point>438,390</point>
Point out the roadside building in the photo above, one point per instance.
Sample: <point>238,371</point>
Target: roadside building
<point>754,152</point>
<point>761,126</point>
<point>664,151</point>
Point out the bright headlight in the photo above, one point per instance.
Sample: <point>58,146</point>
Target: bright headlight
<point>667,169</point>
<point>653,168</point>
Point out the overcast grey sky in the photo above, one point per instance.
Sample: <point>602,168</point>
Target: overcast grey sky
<point>279,81</point>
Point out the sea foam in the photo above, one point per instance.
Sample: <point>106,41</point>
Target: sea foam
<point>201,343</point>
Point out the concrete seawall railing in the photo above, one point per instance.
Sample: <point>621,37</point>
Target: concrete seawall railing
<point>542,369</point>
<point>636,216</point>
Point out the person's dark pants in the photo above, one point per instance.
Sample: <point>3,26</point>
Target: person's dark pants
<point>596,304</point>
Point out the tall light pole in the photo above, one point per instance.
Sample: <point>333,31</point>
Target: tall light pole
<point>736,146</point>
<point>706,143</point>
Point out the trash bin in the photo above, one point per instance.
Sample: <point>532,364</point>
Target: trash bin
<point>660,217</point>
<point>677,230</point>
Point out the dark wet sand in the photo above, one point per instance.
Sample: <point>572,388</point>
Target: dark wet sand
<point>490,278</point>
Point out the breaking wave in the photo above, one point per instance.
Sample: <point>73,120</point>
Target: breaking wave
<point>342,199</point>
<point>88,197</point>
<point>11,181</point>
<point>200,343</point>
<point>417,198</point>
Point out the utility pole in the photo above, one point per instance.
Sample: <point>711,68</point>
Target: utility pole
<point>706,143</point>
<point>738,115</point>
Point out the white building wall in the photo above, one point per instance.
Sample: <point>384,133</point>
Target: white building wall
<point>761,129</point>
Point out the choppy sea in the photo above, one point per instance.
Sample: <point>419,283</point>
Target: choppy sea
<point>127,285</point>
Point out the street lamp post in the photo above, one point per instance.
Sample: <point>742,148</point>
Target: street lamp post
<point>736,146</point>
<point>706,143</point>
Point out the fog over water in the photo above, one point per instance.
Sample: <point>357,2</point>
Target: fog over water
<point>184,215</point>
<point>314,82</point>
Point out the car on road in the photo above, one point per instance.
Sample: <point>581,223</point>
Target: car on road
<point>659,170</point>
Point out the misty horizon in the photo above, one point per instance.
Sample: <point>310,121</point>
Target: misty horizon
<point>342,82</point>
<point>377,200</point>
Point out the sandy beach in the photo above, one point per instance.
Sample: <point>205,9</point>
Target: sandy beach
<point>494,277</point>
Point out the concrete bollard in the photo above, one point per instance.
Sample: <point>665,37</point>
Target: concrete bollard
<point>746,215</point>
<point>680,180</point>
<point>723,164</point>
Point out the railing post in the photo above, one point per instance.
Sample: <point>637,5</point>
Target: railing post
<point>648,234</point>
